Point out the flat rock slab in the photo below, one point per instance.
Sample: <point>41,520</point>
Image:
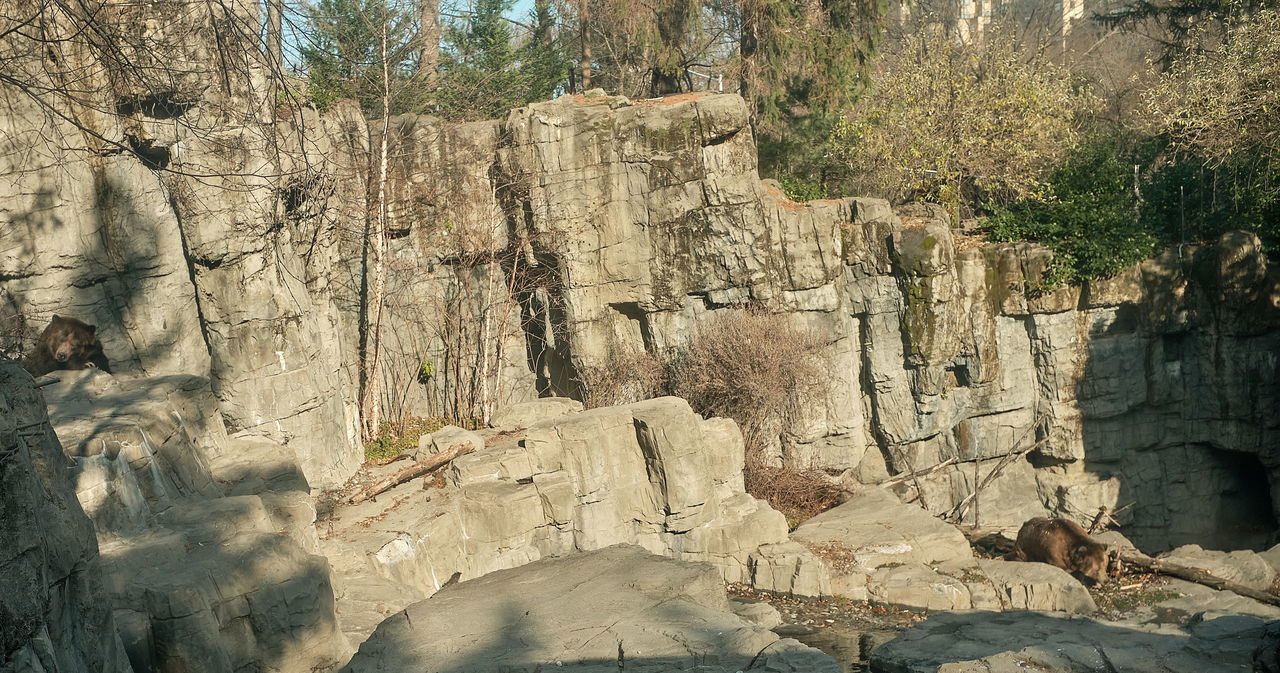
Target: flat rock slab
<point>618,608</point>
<point>881,529</point>
<point>1009,642</point>
<point>874,529</point>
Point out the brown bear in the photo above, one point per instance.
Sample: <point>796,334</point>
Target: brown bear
<point>66,343</point>
<point>1063,543</point>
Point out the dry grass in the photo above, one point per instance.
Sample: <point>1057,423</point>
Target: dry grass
<point>625,376</point>
<point>764,372</point>
<point>799,495</point>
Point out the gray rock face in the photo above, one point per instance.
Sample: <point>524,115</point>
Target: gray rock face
<point>616,608</point>
<point>218,268</point>
<point>652,474</point>
<point>632,223</point>
<point>54,615</point>
<point>939,347</point>
<point>1245,567</point>
<point>1010,642</point>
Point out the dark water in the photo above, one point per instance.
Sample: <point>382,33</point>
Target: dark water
<point>850,647</point>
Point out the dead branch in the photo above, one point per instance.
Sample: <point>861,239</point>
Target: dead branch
<point>898,479</point>
<point>413,472</point>
<point>957,513</point>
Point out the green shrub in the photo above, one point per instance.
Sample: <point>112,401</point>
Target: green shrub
<point>396,437</point>
<point>1089,218</point>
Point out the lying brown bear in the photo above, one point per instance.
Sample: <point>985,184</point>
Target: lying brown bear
<point>66,343</point>
<point>1062,543</point>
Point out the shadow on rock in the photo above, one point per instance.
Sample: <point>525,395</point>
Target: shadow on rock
<point>1015,641</point>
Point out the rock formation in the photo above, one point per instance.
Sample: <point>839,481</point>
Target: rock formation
<point>618,608</point>
<point>651,474</point>
<point>216,237</point>
<point>54,615</point>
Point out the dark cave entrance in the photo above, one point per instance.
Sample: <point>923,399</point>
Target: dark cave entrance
<point>1245,516</point>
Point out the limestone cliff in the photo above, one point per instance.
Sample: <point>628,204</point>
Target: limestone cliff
<point>53,612</point>
<point>622,225</point>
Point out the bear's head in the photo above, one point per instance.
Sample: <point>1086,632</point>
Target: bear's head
<point>1089,559</point>
<point>70,340</point>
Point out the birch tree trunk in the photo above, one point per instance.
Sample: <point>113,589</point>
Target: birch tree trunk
<point>370,402</point>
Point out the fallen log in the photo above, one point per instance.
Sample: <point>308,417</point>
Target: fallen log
<point>413,471</point>
<point>1195,575</point>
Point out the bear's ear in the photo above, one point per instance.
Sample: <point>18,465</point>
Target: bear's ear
<point>1079,553</point>
<point>57,317</point>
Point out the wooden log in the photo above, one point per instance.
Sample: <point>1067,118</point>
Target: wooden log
<point>412,472</point>
<point>1195,575</point>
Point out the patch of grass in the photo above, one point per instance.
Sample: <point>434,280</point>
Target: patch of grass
<point>1130,593</point>
<point>396,437</point>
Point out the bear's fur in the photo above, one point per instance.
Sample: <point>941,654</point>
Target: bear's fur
<point>1062,543</point>
<point>66,343</point>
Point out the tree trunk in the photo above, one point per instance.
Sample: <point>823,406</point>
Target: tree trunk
<point>413,472</point>
<point>1195,575</point>
<point>584,18</point>
<point>370,407</point>
<point>275,19</point>
<point>748,46</point>
<point>429,34</point>
<point>668,67</point>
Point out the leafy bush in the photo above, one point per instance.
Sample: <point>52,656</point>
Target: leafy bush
<point>1220,110</point>
<point>1088,216</point>
<point>958,124</point>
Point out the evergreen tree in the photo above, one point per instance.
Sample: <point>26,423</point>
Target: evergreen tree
<point>802,64</point>
<point>483,73</point>
<point>343,57</point>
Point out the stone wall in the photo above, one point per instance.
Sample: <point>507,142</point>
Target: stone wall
<point>160,200</point>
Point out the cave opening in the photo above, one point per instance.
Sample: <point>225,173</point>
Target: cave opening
<point>1245,516</point>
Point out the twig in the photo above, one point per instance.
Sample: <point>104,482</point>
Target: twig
<point>958,512</point>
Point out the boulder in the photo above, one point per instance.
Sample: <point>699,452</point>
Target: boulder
<point>1246,567</point>
<point>1014,642</point>
<point>444,439</point>
<point>789,568</point>
<point>1033,586</point>
<point>980,584</point>
<point>618,608</point>
<point>873,529</point>
<point>652,474</point>
<point>526,414</point>
<point>917,585</point>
